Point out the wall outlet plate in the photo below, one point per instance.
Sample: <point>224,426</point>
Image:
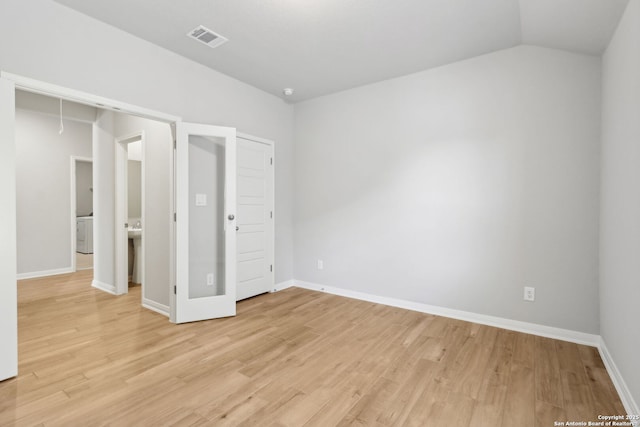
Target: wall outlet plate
<point>529,293</point>
<point>210,279</point>
<point>320,264</point>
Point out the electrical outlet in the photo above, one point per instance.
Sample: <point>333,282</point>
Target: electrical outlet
<point>210,279</point>
<point>320,264</point>
<point>529,293</point>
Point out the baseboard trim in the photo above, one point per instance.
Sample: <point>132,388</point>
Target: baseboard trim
<point>283,285</point>
<point>154,306</point>
<point>499,322</point>
<point>105,287</point>
<point>44,273</point>
<point>630,405</point>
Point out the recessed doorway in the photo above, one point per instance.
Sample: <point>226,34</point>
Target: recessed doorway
<point>81,213</point>
<point>130,211</point>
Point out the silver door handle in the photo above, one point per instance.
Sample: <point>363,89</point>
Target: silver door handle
<point>231,217</point>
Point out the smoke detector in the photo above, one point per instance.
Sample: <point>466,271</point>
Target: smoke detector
<point>206,36</point>
<point>287,91</point>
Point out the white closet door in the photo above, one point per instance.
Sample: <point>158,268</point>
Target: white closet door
<point>255,217</point>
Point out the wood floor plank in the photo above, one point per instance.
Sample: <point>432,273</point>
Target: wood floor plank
<point>367,409</point>
<point>469,369</point>
<point>290,358</point>
<point>569,357</point>
<point>590,356</point>
<point>344,398</point>
<point>524,350</point>
<point>489,407</point>
<point>578,400</point>
<point>489,413</point>
<point>454,409</point>
<point>547,372</point>
<point>418,401</point>
<point>484,335</point>
<point>519,408</point>
<point>547,415</point>
<point>419,378</point>
<point>604,394</point>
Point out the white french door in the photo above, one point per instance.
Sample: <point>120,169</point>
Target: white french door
<point>205,171</point>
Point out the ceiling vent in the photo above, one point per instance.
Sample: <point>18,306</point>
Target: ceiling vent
<point>206,36</point>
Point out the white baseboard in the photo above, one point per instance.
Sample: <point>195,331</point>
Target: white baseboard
<point>283,285</point>
<point>154,306</point>
<point>44,273</point>
<point>630,405</point>
<point>499,322</point>
<point>110,289</point>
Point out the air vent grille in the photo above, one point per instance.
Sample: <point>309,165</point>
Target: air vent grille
<point>206,36</point>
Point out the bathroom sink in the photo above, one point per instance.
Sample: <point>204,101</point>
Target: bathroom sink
<point>134,232</point>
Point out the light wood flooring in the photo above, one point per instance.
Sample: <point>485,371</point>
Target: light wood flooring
<point>293,358</point>
<point>84,261</point>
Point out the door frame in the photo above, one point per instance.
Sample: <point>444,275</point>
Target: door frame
<point>9,326</point>
<point>74,183</point>
<point>8,270</point>
<point>122,214</point>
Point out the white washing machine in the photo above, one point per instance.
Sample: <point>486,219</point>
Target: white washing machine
<point>84,234</point>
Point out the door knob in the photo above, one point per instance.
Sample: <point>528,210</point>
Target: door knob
<point>237,228</point>
<point>231,217</point>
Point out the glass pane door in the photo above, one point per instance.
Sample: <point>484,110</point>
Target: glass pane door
<point>205,235</point>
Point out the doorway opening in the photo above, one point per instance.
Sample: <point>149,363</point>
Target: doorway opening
<point>81,213</point>
<point>85,186</point>
<point>182,183</point>
<point>130,211</point>
<point>53,154</point>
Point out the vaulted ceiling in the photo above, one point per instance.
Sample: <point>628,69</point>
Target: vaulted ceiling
<point>319,47</point>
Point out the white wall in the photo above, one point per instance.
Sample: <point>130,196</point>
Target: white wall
<point>620,215</point>
<point>43,189</point>
<point>457,186</point>
<point>158,213</point>
<point>104,201</point>
<point>51,106</point>
<point>134,150</point>
<point>84,188</point>
<point>134,189</point>
<point>85,54</point>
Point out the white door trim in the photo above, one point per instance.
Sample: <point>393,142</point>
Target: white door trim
<point>75,159</point>
<point>8,270</point>
<point>68,94</point>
